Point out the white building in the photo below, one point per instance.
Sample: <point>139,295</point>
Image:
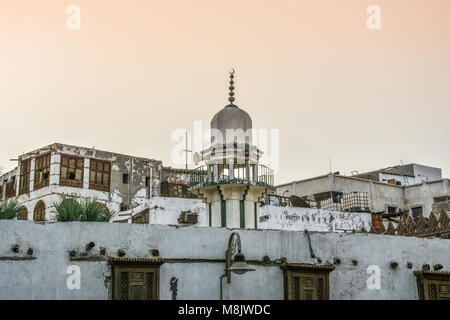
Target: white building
<point>383,192</point>
<point>229,243</point>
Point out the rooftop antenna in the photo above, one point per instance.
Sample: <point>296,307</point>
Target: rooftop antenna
<point>329,178</point>
<point>187,150</point>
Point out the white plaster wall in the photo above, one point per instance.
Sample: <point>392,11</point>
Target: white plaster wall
<point>167,210</point>
<point>215,218</point>
<point>425,173</point>
<point>423,194</point>
<point>250,214</point>
<point>233,210</point>
<point>55,193</point>
<point>46,276</point>
<point>55,162</point>
<point>380,193</point>
<point>290,218</point>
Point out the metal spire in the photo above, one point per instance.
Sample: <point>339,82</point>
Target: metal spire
<point>231,87</point>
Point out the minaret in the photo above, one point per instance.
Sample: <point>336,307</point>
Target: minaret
<point>231,181</point>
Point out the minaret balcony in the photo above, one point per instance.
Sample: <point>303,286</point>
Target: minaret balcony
<point>239,174</point>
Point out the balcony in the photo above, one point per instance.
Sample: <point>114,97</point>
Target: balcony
<point>219,174</point>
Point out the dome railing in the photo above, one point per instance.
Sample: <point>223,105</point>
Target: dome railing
<point>215,174</point>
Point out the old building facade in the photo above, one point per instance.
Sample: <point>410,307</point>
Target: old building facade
<point>375,192</point>
<point>47,175</point>
<point>221,231</point>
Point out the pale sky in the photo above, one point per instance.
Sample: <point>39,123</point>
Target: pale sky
<point>138,70</point>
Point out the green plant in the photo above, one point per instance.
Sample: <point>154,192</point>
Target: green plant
<point>92,211</point>
<point>67,210</point>
<point>86,210</point>
<point>9,210</point>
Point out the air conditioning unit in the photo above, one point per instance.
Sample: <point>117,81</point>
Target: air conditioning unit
<point>188,217</point>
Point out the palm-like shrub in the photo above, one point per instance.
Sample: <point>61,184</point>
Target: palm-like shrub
<point>67,210</point>
<point>85,210</point>
<point>9,210</point>
<point>92,211</point>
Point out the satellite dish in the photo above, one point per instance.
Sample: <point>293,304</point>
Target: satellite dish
<point>197,158</point>
<point>299,202</point>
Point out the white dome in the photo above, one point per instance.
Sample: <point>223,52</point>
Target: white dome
<point>231,117</point>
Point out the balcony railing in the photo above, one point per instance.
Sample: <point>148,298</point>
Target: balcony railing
<point>214,174</point>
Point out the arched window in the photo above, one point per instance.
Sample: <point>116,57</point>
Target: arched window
<point>23,214</point>
<point>39,211</point>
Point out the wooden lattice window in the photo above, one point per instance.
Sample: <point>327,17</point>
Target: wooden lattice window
<point>42,171</point>
<point>176,190</point>
<point>306,281</point>
<point>23,214</point>
<point>135,279</point>
<point>72,169</point>
<point>10,188</point>
<point>24,182</point>
<point>99,175</point>
<point>39,211</point>
<point>433,285</point>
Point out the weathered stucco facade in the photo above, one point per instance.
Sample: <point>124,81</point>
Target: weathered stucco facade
<point>381,195</point>
<point>131,180</point>
<point>195,255</point>
<point>299,219</point>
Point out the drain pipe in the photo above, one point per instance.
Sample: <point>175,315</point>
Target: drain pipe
<point>309,243</point>
<point>221,285</point>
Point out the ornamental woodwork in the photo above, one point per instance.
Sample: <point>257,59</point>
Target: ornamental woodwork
<point>72,170</point>
<point>433,285</point>
<point>437,225</point>
<point>24,181</point>
<point>135,279</point>
<point>100,175</point>
<point>306,281</point>
<point>42,171</point>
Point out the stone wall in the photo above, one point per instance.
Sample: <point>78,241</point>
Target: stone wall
<point>195,256</point>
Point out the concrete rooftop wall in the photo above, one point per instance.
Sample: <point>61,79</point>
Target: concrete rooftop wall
<point>299,219</point>
<point>381,194</point>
